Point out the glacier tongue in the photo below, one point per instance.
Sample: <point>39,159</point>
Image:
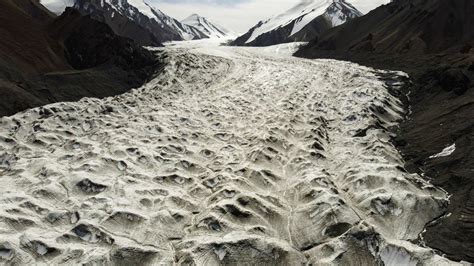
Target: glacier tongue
<point>231,156</point>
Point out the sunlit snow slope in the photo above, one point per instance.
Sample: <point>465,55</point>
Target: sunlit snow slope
<point>233,156</point>
<point>210,29</point>
<point>303,22</point>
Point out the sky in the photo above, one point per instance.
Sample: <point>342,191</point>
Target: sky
<point>240,15</point>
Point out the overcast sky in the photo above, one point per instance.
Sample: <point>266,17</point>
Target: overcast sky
<point>240,15</point>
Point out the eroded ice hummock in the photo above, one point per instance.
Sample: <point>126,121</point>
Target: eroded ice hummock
<point>244,158</point>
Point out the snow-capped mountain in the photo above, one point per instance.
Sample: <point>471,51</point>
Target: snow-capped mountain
<point>303,22</point>
<point>211,29</point>
<point>57,6</point>
<point>135,19</point>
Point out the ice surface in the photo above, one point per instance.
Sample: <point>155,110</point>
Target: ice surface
<point>237,156</point>
<point>286,49</point>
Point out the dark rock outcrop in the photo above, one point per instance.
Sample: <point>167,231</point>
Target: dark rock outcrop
<point>44,59</point>
<point>25,43</point>
<point>405,26</point>
<point>89,43</point>
<point>431,40</point>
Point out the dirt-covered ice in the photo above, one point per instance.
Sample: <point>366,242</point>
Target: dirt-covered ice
<point>232,156</point>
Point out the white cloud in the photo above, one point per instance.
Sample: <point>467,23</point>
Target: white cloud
<point>238,15</point>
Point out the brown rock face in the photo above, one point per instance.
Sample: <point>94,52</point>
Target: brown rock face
<point>25,43</point>
<point>44,59</point>
<point>422,26</point>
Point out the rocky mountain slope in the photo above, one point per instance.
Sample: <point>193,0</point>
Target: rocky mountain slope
<point>404,26</point>
<point>134,19</point>
<point>19,29</point>
<point>45,59</point>
<point>433,41</point>
<point>210,29</point>
<point>303,22</point>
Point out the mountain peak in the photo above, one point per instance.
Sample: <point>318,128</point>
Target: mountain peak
<point>191,19</point>
<point>135,19</point>
<point>299,23</point>
<point>209,28</point>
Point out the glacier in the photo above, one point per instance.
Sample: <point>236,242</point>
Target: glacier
<point>230,156</point>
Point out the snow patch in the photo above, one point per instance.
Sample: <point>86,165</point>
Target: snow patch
<point>445,153</point>
<point>57,6</point>
<point>142,6</point>
<point>211,29</point>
